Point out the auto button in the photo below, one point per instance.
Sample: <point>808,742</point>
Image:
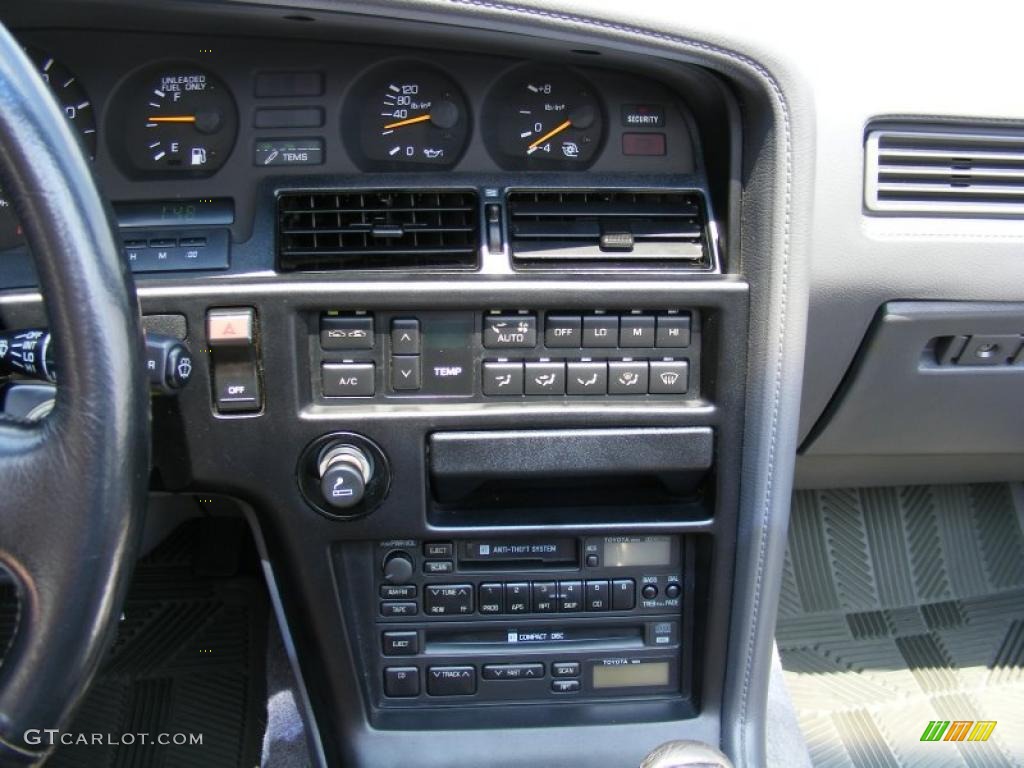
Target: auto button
<point>510,331</point>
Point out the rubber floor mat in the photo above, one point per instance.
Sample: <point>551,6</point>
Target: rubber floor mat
<point>189,659</point>
<point>901,607</point>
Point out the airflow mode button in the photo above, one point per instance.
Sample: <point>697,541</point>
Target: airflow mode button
<point>346,332</point>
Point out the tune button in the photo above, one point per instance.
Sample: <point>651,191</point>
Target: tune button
<point>448,599</point>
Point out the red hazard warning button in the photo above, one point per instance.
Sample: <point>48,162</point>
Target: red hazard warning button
<point>230,327</point>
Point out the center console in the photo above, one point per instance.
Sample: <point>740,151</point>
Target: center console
<point>541,619</point>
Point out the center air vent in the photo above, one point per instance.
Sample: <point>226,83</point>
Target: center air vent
<point>550,228</point>
<point>969,171</point>
<point>377,229</point>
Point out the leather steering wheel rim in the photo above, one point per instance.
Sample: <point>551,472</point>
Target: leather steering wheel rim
<point>72,486</point>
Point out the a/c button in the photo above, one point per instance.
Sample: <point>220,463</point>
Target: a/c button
<point>347,379</point>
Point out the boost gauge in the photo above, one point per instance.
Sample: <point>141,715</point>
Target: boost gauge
<point>409,117</point>
<point>543,119</point>
<point>177,120</point>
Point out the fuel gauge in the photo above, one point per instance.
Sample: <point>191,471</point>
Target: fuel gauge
<point>177,120</point>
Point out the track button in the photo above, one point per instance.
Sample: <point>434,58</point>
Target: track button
<point>451,681</point>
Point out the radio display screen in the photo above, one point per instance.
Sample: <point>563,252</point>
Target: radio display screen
<point>650,673</point>
<point>626,551</point>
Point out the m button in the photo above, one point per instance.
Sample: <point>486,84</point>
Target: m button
<point>637,331</point>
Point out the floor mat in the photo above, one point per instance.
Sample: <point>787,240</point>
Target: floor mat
<point>188,659</point>
<point>903,606</point>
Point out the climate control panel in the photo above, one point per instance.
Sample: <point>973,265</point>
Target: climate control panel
<point>505,355</point>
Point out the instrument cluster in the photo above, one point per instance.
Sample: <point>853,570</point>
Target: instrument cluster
<point>178,119</point>
<point>176,124</point>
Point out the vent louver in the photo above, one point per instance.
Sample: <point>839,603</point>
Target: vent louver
<point>945,172</point>
<point>548,228</point>
<point>377,229</point>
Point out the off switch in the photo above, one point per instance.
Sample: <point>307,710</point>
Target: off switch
<point>231,336</point>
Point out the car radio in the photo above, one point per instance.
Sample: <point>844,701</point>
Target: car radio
<point>539,619</point>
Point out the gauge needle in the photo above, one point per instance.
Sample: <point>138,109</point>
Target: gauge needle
<point>409,121</point>
<point>553,132</point>
<point>173,119</point>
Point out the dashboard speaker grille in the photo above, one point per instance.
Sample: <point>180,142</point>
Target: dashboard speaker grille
<point>945,171</point>
<point>377,229</point>
<point>621,227</point>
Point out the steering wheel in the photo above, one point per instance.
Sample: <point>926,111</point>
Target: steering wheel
<point>72,486</point>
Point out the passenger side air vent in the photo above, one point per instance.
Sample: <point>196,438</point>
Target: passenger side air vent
<point>549,228</point>
<point>377,229</point>
<point>945,172</point>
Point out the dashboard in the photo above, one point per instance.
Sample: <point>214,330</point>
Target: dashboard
<point>569,300</point>
<point>481,298</point>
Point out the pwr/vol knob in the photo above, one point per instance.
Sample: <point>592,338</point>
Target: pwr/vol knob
<point>398,568</point>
